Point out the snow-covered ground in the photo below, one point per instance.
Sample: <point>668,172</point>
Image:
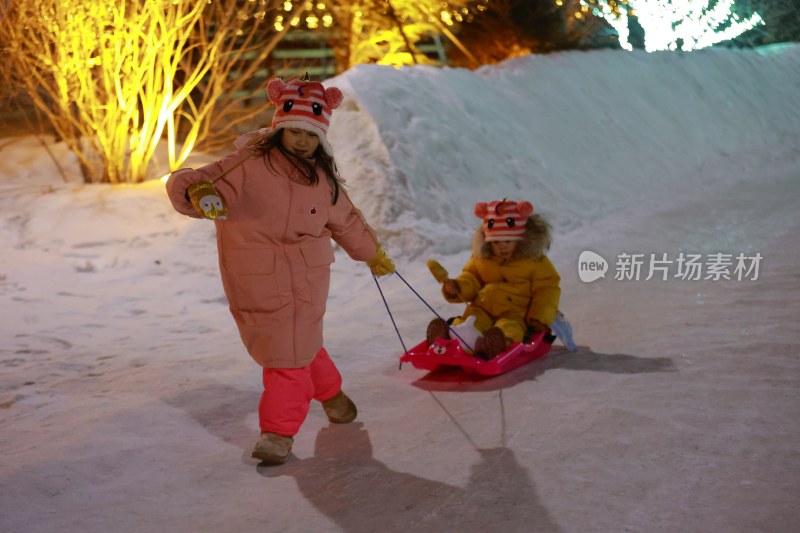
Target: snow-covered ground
<point>128,404</point>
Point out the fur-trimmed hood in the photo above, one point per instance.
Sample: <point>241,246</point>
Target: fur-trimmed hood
<point>535,245</point>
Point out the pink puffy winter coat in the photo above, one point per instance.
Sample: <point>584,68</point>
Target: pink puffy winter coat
<point>275,250</point>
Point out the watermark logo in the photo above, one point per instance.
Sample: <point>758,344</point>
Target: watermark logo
<point>683,266</point>
<point>591,266</point>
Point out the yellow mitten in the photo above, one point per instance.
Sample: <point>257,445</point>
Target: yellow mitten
<point>438,271</point>
<point>380,265</point>
<point>207,201</point>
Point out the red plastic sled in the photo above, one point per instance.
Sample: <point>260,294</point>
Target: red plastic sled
<point>450,353</point>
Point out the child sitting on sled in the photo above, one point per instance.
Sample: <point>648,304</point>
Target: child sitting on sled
<point>511,287</point>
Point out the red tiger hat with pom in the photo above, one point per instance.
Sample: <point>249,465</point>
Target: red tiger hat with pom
<point>503,220</point>
<point>304,104</point>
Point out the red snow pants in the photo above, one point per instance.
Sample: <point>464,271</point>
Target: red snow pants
<point>288,393</point>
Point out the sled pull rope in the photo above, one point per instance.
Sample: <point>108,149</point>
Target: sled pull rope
<point>433,310</point>
<point>391,317</point>
<point>378,244</point>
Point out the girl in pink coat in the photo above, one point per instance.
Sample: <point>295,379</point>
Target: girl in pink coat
<point>277,203</point>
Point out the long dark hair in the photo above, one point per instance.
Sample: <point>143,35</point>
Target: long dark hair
<point>306,167</point>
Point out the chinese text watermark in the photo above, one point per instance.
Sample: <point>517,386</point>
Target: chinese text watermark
<point>662,266</point>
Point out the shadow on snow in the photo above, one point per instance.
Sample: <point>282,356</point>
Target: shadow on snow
<point>361,494</point>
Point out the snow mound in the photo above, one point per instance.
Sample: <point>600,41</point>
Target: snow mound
<point>420,145</point>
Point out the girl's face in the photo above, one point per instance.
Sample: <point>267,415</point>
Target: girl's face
<point>300,142</point>
<point>503,249</point>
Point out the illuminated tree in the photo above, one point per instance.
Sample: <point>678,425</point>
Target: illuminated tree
<point>387,32</point>
<point>113,78</point>
<point>673,24</point>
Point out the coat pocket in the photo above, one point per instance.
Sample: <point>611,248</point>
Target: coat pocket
<point>252,279</point>
<point>318,256</point>
<point>318,253</point>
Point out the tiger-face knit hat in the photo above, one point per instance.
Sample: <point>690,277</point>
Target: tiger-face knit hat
<point>304,104</point>
<point>503,220</point>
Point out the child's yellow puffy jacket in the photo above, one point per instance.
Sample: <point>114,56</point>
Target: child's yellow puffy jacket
<point>527,287</point>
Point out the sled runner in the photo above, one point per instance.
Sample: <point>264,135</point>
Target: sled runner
<point>449,352</point>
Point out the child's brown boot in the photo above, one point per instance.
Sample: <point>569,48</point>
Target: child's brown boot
<point>340,409</point>
<point>437,329</point>
<point>494,342</point>
<point>273,448</point>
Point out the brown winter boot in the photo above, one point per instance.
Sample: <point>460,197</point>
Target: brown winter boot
<point>340,409</point>
<point>494,342</point>
<point>272,448</point>
<point>437,329</point>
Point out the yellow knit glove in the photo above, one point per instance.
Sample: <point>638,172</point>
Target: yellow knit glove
<point>380,265</point>
<point>207,201</point>
<point>438,271</point>
<point>449,286</point>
